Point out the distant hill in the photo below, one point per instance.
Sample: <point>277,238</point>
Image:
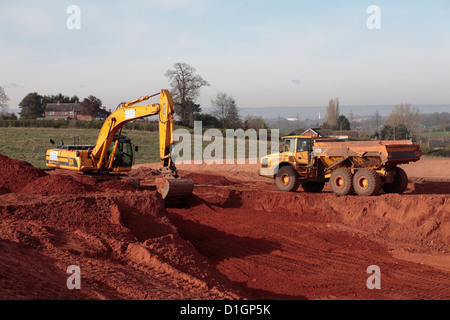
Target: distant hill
<point>303,113</point>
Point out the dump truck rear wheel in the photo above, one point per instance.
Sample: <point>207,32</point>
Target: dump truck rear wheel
<point>287,179</point>
<point>341,181</point>
<point>399,184</point>
<point>313,186</point>
<point>366,182</point>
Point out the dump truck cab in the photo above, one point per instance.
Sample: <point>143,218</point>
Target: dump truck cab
<point>296,151</point>
<point>299,148</point>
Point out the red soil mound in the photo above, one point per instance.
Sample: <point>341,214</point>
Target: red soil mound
<point>237,237</point>
<point>144,172</point>
<point>16,174</point>
<point>121,185</point>
<point>200,178</point>
<point>57,184</point>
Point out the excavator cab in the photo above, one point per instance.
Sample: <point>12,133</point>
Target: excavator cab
<point>122,159</point>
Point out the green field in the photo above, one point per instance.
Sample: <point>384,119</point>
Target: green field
<point>435,135</point>
<point>31,144</point>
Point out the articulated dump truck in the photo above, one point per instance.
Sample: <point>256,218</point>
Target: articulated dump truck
<point>362,167</point>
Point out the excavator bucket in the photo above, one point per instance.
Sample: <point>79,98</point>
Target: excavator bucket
<point>175,190</point>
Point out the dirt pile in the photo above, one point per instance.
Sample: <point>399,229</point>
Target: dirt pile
<point>117,233</point>
<point>237,237</point>
<point>56,184</point>
<point>212,179</point>
<point>16,174</point>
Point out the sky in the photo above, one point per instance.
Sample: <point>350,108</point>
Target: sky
<point>263,53</point>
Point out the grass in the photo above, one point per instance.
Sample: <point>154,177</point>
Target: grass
<point>30,144</point>
<point>435,135</point>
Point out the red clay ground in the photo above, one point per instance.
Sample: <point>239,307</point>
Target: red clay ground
<point>237,238</point>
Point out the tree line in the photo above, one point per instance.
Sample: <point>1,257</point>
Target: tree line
<point>185,83</point>
<point>185,89</point>
<point>33,105</point>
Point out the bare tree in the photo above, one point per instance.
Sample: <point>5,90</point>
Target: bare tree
<point>333,112</point>
<point>226,111</point>
<point>404,114</point>
<point>3,100</point>
<point>254,122</point>
<point>185,88</point>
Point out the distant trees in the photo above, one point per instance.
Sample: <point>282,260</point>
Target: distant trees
<point>32,106</point>
<point>207,120</point>
<point>404,114</point>
<point>58,98</point>
<point>4,99</point>
<point>185,88</point>
<point>334,120</point>
<point>343,123</point>
<point>254,122</point>
<point>91,106</point>
<point>226,110</point>
<point>402,123</point>
<point>332,117</point>
<point>398,132</point>
<point>186,111</point>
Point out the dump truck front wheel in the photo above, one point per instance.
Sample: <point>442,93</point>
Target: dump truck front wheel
<point>287,179</point>
<point>341,181</point>
<point>399,184</point>
<point>366,182</point>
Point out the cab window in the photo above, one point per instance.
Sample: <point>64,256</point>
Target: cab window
<point>126,153</point>
<point>303,145</point>
<point>290,143</point>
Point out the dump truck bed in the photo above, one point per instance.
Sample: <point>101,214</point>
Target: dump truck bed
<point>367,154</point>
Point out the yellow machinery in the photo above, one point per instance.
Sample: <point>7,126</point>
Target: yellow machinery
<point>113,151</point>
<point>363,167</point>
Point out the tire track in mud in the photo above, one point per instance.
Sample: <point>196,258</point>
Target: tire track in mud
<point>310,245</point>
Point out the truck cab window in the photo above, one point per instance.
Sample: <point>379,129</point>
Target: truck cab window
<point>290,143</point>
<point>303,145</point>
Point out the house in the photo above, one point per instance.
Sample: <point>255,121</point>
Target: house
<point>322,133</point>
<point>69,111</point>
<point>57,111</point>
<point>316,133</point>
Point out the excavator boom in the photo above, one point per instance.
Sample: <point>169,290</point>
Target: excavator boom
<point>103,158</point>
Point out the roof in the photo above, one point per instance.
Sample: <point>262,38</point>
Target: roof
<point>64,107</point>
<point>316,131</point>
<point>290,137</point>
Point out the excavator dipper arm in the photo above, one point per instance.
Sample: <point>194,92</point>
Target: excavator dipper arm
<point>170,185</point>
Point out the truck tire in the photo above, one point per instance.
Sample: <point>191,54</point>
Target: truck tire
<point>313,186</point>
<point>287,179</point>
<point>399,184</point>
<point>366,182</point>
<point>341,181</point>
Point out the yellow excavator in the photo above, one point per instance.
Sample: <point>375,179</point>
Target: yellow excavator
<point>113,152</point>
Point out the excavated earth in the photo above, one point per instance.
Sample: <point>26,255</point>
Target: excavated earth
<point>236,238</point>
